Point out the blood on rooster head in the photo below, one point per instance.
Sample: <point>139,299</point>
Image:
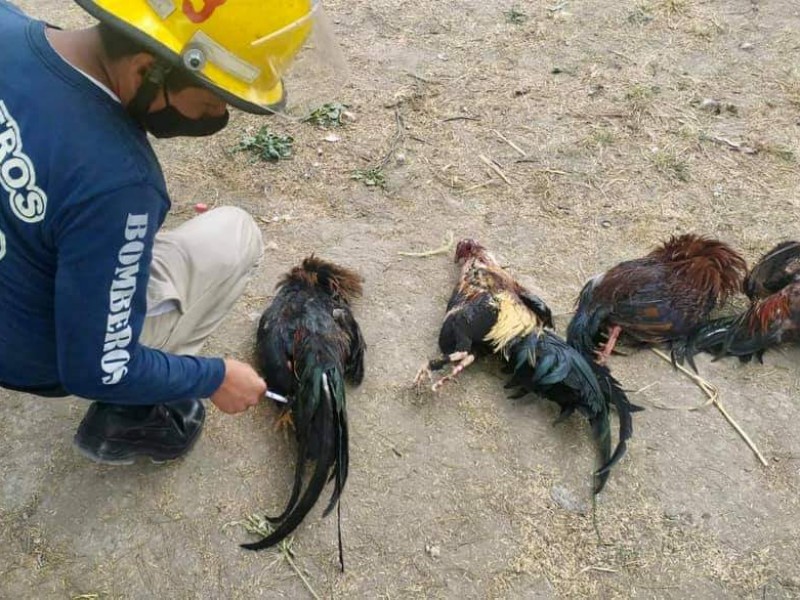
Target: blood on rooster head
<point>469,248</point>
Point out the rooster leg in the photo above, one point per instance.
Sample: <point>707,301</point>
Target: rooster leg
<point>462,360</point>
<point>423,373</point>
<point>608,347</point>
<point>285,421</point>
<point>426,371</point>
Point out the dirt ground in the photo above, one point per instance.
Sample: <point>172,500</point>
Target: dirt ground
<point>593,116</point>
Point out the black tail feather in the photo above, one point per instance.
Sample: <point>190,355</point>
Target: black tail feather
<point>602,435</point>
<point>615,396</point>
<point>321,413</point>
<point>584,328</point>
<point>728,336</point>
<point>544,364</point>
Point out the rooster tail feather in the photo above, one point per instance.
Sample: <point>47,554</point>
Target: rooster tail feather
<point>584,327</point>
<point>319,410</point>
<point>602,435</point>
<point>615,396</point>
<point>711,337</point>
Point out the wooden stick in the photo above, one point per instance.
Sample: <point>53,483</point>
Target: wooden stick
<point>510,143</point>
<point>495,168</point>
<point>478,186</point>
<point>444,249</point>
<point>713,398</point>
<point>738,147</point>
<point>288,557</point>
<point>460,118</point>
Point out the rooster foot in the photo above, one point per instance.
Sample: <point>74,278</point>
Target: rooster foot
<point>462,360</point>
<point>423,378</point>
<point>608,347</point>
<point>284,422</point>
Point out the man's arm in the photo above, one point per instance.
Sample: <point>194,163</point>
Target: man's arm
<point>104,252</point>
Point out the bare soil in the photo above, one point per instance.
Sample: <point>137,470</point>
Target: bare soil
<point>469,494</point>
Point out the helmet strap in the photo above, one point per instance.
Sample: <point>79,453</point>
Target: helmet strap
<point>153,81</point>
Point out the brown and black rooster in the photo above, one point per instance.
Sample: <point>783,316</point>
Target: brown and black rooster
<point>774,271</point>
<point>773,318</point>
<point>307,343</point>
<point>661,297</point>
<point>490,312</point>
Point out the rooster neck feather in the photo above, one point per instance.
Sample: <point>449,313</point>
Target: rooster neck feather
<point>768,311</point>
<point>335,280</point>
<point>704,264</point>
<point>514,321</point>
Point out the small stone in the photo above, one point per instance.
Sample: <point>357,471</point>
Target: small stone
<point>350,116</point>
<point>271,246</point>
<point>332,138</point>
<point>316,165</point>
<point>319,151</point>
<point>606,224</point>
<point>433,550</point>
<point>747,46</point>
<point>200,207</point>
<point>400,158</point>
<point>711,105</point>
<point>567,500</point>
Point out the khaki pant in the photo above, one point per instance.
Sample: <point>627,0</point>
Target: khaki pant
<point>199,271</point>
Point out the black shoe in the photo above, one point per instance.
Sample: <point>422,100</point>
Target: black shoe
<point>116,434</point>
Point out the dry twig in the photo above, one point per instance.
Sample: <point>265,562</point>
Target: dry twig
<point>495,168</point>
<point>260,526</point>
<point>510,143</point>
<point>444,249</point>
<point>737,146</point>
<point>713,398</point>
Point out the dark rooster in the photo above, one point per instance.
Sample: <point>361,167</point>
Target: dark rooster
<point>490,312</point>
<point>767,323</point>
<point>487,310</point>
<point>661,297</point>
<point>773,318</point>
<point>307,342</point>
<point>774,271</point>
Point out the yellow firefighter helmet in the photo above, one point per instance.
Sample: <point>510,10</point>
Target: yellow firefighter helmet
<point>239,49</point>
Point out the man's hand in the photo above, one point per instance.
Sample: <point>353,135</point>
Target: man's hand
<point>241,388</point>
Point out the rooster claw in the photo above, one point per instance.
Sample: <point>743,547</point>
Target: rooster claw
<point>601,358</point>
<point>284,422</point>
<point>423,374</point>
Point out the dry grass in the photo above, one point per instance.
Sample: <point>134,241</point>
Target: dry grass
<point>590,111</point>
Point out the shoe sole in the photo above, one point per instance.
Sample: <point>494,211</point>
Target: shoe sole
<point>103,457</point>
<point>120,462</point>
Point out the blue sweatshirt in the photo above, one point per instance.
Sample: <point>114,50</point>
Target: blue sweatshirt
<point>81,198</point>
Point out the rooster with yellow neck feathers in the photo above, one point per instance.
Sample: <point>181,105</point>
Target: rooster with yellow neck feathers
<point>490,312</point>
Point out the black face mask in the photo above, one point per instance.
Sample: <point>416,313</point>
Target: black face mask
<point>170,122</point>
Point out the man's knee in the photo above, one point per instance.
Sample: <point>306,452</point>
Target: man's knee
<point>239,235</point>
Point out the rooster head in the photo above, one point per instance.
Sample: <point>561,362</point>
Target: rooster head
<point>469,248</point>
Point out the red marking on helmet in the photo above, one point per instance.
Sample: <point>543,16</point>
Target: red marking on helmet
<point>204,14</point>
